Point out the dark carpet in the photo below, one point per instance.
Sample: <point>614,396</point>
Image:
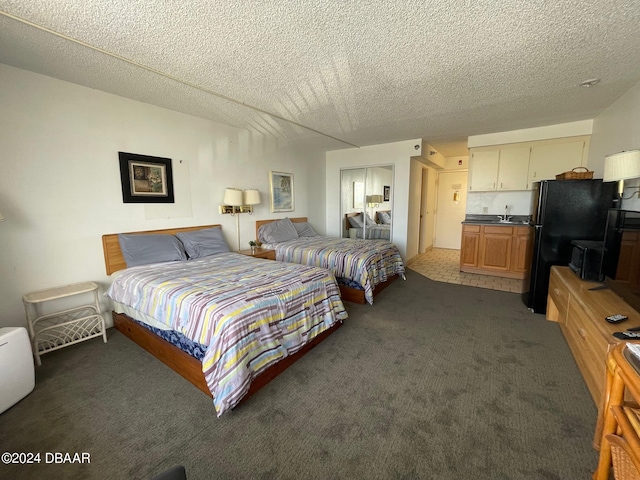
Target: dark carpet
<point>434,381</point>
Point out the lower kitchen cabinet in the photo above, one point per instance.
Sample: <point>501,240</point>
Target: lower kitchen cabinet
<point>499,250</point>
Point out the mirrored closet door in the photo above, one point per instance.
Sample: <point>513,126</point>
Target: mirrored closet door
<point>367,199</point>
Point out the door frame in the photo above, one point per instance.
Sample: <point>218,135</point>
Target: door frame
<point>465,187</point>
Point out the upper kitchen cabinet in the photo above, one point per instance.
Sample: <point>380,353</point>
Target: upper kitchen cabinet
<point>503,168</point>
<point>483,170</point>
<point>516,166</point>
<point>553,157</point>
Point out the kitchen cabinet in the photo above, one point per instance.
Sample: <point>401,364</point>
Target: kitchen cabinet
<point>521,257</point>
<point>500,250</point>
<point>515,167</point>
<point>554,157</point>
<point>504,168</point>
<point>496,247</point>
<point>470,246</point>
<point>483,170</point>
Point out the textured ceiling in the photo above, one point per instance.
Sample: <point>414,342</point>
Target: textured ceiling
<point>340,74</point>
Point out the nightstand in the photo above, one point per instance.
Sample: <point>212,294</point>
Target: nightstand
<point>63,327</point>
<point>260,253</point>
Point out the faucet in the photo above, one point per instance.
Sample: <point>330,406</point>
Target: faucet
<point>505,217</point>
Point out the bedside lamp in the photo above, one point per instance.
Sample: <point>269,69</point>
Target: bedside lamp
<point>238,201</point>
<point>251,197</point>
<point>374,200</point>
<point>622,166</point>
<point>233,197</point>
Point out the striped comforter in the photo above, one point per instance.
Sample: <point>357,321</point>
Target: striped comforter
<point>367,262</point>
<point>376,232</point>
<point>249,313</point>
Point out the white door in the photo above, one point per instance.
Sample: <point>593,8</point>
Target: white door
<point>449,211</point>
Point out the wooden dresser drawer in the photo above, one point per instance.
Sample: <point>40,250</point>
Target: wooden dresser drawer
<point>559,294</point>
<point>589,347</point>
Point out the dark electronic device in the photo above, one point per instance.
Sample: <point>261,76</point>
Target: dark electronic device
<point>586,259</point>
<point>621,255</point>
<point>617,318</point>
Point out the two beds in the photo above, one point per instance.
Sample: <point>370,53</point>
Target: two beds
<point>247,318</point>
<point>363,268</point>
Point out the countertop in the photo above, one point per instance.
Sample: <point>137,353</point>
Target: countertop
<point>517,220</point>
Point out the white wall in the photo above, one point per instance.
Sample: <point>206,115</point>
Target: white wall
<point>415,198</point>
<point>519,203</point>
<point>397,154</point>
<point>615,130</point>
<point>457,163</point>
<point>429,224</point>
<point>60,185</point>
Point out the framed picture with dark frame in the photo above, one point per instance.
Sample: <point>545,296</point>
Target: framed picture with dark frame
<point>145,179</point>
<point>387,193</point>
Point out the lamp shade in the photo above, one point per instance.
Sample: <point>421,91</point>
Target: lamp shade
<point>375,199</point>
<point>251,197</point>
<point>233,196</point>
<point>622,166</point>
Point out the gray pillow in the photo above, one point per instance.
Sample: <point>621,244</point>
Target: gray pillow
<point>384,217</point>
<point>304,229</point>
<point>150,248</point>
<point>369,221</point>
<point>355,222</point>
<point>202,243</point>
<point>277,232</point>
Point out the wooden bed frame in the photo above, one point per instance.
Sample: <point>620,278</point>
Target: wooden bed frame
<point>181,362</point>
<point>347,293</point>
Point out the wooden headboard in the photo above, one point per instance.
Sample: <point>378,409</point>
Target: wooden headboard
<point>113,258</point>
<point>259,223</point>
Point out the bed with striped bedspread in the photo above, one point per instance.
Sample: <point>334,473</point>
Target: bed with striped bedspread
<point>375,232</point>
<point>368,262</point>
<point>249,313</point>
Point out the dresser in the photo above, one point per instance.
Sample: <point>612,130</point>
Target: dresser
<point>580,311</point>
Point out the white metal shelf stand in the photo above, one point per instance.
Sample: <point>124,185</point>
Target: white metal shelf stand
<point>65,327</point>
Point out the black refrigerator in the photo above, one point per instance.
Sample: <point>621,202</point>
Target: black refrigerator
<point>562,211</point>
